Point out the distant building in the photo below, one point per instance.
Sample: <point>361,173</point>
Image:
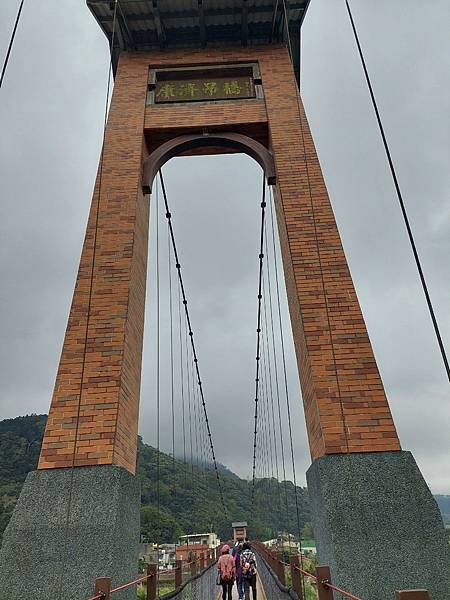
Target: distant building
<point>193,545</point>
<point>239,531</point>
<point>164,555</point>
<point>290,546</point>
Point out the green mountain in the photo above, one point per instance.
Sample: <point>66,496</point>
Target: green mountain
<point>186,500</point>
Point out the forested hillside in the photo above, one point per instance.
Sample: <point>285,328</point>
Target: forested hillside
<point>188,496</point>
<point>444,506</point>
<point>20,444</point>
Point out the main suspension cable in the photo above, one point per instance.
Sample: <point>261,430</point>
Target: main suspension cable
<point>11,42</point>
<point>194,353</point>
<point>158,378</point>
<point>258,333</point>
<point>399,195</point>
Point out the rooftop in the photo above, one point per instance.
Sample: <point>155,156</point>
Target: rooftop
<point>191,535</point>
<point>153,24</point>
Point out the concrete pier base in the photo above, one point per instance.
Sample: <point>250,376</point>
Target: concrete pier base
<point>378,526</point>
<point>45,556</point>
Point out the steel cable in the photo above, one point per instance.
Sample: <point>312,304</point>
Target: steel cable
<point>258,336</point>
<point>183,416</point>
<point>283,355</point>
<point>88,315</point>
<point>189,394</point>
<point>264,402</point>
<point>269,379</point>
<point>400,197</point>
<point>172,382</point>
<point>277,386</point>
<point>158,379</point>
<point>11,42</point>
<point>192,344</point>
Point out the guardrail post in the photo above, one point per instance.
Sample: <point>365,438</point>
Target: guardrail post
<point>178,573</point>
<point>280,568</point>
<point>412,595</point>
<point>103,586</point>
<point>194,566</point>
<point>152,581</point>
<point>323,576</point>
<point>296,576</point>
<point>269,559</point>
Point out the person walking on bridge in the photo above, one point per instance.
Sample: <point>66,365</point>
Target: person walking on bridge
<point>248,562</point>
<point>239,575</point>
<point>227,572</point>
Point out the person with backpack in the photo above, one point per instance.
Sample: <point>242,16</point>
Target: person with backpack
<point>226,567</point>
<point>239,574</point>
<point>248,562</point>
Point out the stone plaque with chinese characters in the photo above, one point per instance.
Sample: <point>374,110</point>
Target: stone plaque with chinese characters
<point>204,88</point>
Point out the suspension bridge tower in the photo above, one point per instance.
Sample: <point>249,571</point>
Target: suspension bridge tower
<point>199,77</point>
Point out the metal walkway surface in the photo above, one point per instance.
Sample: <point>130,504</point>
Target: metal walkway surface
<point>260,592</point>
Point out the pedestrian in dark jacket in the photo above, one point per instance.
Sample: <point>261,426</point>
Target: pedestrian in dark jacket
<point>249,566</point>
<point>239,574</point>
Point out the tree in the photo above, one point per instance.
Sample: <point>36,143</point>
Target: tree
<point>307,532</point>
<point>158,526</point>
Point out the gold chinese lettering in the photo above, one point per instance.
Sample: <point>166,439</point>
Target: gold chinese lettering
<point>188,90</point>
<point>166,91</point>
<point>210,88</point>
<point>232,88</point>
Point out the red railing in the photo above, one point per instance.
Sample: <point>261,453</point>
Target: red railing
<point>322,578</point>
<point>103,589</point>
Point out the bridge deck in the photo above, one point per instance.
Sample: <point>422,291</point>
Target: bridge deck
<point>260,592</point>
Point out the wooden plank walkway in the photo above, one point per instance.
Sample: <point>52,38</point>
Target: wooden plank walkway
<point>260,592</point>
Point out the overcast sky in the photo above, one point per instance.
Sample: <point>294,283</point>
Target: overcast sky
<point>51,114</point>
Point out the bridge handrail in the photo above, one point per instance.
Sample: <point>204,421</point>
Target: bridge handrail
<point>324,582</point>
<point>322,577</point>
<point>209,559</point>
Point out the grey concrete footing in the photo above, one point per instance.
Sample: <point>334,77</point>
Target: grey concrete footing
<point>378,526</point>
<point>45,556</point>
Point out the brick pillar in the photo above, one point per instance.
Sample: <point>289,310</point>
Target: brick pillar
<point>101,375</point>
<point>346,409</point>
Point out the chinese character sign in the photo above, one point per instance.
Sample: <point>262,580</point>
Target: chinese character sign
<point>204,89</point>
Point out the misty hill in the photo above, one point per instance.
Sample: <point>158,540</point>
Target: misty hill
<point>444,507</point>
<point>189,499</point>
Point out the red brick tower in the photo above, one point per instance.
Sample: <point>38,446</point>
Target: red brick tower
<point>219,78</point>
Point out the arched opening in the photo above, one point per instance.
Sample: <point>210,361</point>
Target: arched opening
<point>185,143</point>
<point>215,206</point>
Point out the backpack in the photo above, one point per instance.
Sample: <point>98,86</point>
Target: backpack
<point>248,562</point>
<point>227,567</point>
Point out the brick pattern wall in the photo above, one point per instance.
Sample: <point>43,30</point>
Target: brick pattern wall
<point>106,429</point>
<point>345,405</point>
